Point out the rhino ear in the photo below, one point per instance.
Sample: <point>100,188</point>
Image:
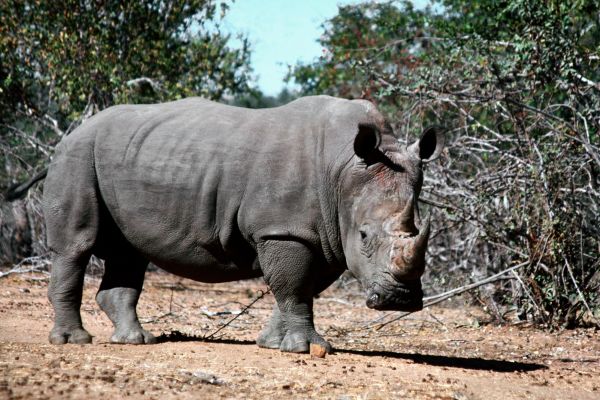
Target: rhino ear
<point>431,144</point>
<point>367,140</point>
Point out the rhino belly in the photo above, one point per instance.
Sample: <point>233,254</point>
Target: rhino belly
<point>177,242</point>
<point>207,268</point>
<point>170,210</point>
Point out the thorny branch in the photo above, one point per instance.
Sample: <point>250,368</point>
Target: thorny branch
<point>261,294</point>
<point>441,297</point>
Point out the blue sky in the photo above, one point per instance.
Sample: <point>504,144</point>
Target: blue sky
<point>281,32</point>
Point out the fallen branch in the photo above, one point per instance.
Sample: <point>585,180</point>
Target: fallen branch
<point>260,296</point>
<point>30,264</point>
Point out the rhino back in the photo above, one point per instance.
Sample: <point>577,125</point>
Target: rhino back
<point>192,176</point>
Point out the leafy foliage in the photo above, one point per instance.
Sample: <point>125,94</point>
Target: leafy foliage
<point>257,99</point>
<point>362,34</point>
<point>63,61</point>
<point>516,83</point>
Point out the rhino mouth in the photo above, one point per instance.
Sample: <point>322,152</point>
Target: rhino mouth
<point>395,296</point>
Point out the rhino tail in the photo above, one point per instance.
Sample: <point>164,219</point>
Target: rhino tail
<point>19,190</point>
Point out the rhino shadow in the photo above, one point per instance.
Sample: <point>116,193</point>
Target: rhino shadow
<point>176,336</point>
<point>474,363</point>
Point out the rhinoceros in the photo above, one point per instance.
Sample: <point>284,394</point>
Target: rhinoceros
<point>297,194</point>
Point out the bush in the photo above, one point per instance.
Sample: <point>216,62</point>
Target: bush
<point>63,61</point>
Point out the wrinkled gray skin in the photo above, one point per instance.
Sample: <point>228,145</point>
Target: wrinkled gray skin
<point>296,194</point>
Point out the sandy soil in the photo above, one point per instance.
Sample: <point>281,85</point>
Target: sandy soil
<point>439,353</point>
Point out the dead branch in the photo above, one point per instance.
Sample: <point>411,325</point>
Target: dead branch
<point>30,264</point>
<point>438,298</point>
<point>261,294</point>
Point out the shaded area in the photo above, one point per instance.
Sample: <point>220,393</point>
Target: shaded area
<point>452,362</point>
<point>428,359</point>
<point>579,360</point>
<point>176,336</point>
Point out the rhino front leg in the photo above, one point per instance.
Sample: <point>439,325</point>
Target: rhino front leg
<point>118,297</point>
<point>287,267</point>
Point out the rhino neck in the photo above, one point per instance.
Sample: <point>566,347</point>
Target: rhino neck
<point>340,179</point>
<point>329,184</point>
<point>335,125</point>
<point>352,179</point>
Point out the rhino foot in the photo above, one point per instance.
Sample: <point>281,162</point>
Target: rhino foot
<point>295,340</point>
<point>133,336</point>
<point>75,336</point>
<point>272,334</point>
<point>270,339</point>
<point>300,341</point>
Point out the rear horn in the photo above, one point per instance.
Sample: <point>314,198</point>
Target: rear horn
<point>408,261</point>
<point>403,223</point>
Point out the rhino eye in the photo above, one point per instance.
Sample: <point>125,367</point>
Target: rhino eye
<point>367,242</point>
<point>363,234</point>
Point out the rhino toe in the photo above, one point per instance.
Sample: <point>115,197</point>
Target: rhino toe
<point>75,336</point>
<point>270,338</point>
<point>295,343</point>
<point>299,342</point>
<point>269,342</point>
<point>133,336</point>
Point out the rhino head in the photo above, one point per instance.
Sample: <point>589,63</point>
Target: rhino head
<point>385,239</point>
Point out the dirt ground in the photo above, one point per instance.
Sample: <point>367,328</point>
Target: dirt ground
<point>439,353</point>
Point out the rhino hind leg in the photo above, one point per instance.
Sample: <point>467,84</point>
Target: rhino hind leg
<point>288,270</point>
<point>65,293</point>
<point>71,212</point>
<point>118,297</point>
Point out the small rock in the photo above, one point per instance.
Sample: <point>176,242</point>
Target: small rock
<point>317,350</point>
<point>209,378</point>
<point>55,363</point>
<point>108,378</point>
